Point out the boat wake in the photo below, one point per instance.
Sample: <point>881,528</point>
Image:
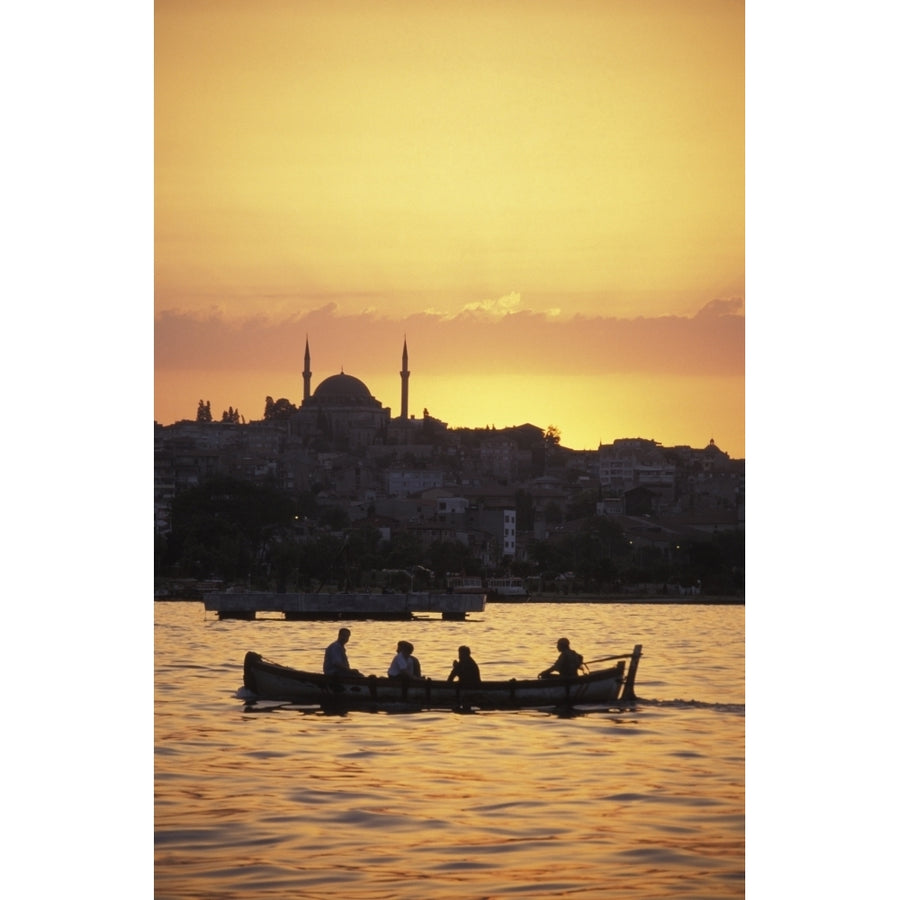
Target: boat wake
<point>738,708</point>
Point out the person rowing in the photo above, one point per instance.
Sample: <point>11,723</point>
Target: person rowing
<point>567,663</point>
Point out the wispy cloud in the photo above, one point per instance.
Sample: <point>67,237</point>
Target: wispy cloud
<point>718,308</point>
<point>502,306</point>
<point>493,335</point>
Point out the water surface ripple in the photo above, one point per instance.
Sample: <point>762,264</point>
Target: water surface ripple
<point>277,800</point>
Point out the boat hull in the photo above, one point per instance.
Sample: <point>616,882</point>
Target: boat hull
<point>506,590</point>
<point>267,680</point>
<point>465,584</point>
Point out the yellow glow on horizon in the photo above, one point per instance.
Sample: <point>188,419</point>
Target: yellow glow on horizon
<point>587,411</point>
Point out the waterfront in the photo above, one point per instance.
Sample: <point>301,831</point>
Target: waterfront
<point>642,801</point>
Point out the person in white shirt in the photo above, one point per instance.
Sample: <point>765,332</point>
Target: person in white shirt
<point>404,664</point>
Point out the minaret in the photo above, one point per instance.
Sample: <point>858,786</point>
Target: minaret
<point>404,384</point>
<point>307,375</point>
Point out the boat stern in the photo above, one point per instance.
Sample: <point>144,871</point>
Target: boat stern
<point>250,659</point>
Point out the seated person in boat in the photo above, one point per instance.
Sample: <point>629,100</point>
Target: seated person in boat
<point>567,663</point>
<point>404,664</point>
<point>465,669</point>
<point>336,662</point>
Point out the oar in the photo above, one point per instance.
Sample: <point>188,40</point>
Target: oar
<point>608,658</point>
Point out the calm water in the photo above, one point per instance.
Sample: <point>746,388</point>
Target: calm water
<point>634,802</point>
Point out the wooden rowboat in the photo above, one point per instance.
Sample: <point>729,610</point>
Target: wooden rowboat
<point>267,680</point>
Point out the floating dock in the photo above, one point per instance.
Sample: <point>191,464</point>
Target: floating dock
<point>246,604</point>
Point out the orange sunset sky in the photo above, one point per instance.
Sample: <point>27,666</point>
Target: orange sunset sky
<point>546,200</point>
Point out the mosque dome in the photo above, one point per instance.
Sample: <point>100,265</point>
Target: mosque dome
<point>342,390</point>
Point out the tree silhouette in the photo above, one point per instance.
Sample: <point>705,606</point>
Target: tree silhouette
<point>278,409</point>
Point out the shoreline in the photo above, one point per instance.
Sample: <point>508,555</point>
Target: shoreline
<point>658,600</point>
<point>694,600</point>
